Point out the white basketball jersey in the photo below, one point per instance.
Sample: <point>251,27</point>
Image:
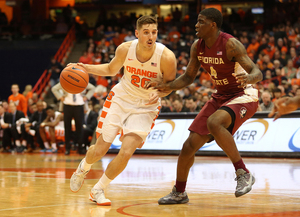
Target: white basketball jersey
<point>137,74</point>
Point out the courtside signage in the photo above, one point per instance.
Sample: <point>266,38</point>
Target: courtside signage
<point>255,135</point>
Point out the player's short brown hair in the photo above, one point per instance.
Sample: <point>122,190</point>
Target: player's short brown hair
<point>146,19</point>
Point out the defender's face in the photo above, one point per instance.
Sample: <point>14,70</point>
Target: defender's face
<point>147,35</point>
<point>203,27</point>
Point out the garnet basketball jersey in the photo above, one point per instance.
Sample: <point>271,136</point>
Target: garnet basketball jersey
<point>214,60</point>
<point>137,74</point>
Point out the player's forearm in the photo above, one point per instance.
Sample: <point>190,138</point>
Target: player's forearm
<point>100,70</point>
<point>164,93</point>
<point>181,82</point>
<point>255,76</point>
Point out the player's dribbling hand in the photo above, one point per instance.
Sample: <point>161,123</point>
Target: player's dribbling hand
<point>281,107</point>
<point>241,78</point>
<point>153,98</point>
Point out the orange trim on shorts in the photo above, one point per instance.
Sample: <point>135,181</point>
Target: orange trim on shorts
<point>103,114</point>
<point>100,123</point>
<point>152,125</point>
<point>97,134</point>
<point>107,104</point>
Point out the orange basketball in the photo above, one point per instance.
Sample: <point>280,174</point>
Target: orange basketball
<point>74,79</point>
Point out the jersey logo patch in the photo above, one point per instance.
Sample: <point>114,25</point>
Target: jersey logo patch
<point>243,112</point>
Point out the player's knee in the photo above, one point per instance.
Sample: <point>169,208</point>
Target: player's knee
<point>213,124</point>
<point>188,148</point>
<point>125,155</point>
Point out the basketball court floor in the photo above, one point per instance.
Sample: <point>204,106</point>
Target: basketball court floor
<point>37,185</point>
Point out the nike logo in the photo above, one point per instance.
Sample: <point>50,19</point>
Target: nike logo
<point>76,69</point>
<point>201,53</point>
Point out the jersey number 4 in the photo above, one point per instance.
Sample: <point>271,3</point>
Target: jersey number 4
<point>138,82</point>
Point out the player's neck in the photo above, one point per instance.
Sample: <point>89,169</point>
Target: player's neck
<point>143,54</point>
<point>211,40</point>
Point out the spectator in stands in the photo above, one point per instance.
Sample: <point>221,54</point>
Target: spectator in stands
<point>281,46</point>
<point>253,46</point>
<point>176,15</point>
<point>73,107</point>
<point>106,58</point>
<point>267,104</point>
<point>294,57</point>
<point>109,34</point>
<point>28,92</point>
<point>35,97</point>
<point>5,123</point>
<point>117,40</point>
<point>3,18</point>
<point>85,58</point>
<point>5,105</point>
<point>53,119</point>
<point>177,105</point>
<point>289,71</point>
<point>174,34</point>
<point>31,108</point>
<point>129,36</point>
<point>99,34</point>
<point>17,128</point>
<point>18,99</point>
<point>89,126</point>
<point>263,45</point>
<point>54,69</point>
<point>191,104</point>
<point>33,126</point>
<point>123,34</point>
<point>276,94</point>
<point>164,106</point>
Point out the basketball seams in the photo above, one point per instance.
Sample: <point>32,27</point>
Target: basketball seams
<point>67,70</point>
<point>72,83</point>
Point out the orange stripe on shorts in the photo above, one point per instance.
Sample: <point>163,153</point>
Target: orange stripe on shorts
<point>103,114</point>
<point>97,135</point>
<point>107,104</point>
<point>100,123</point>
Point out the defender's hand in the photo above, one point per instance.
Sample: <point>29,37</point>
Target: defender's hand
<point>281,107</point>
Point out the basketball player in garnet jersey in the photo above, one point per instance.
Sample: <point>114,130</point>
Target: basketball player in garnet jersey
<point>130,108</point>
<point>235,101</point>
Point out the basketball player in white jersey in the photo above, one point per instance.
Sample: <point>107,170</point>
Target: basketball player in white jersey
<point>129,109</point>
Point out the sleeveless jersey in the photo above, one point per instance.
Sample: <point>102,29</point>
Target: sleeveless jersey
<point>136,74</point>
<point>214,60</point>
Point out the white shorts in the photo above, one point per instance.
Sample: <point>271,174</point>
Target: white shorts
<point>123,113</point>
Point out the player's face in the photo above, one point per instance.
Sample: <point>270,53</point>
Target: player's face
<point>147,35</point>
<point>203,27</point>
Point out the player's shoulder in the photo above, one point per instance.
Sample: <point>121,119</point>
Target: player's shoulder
<point>125,45</point>
<point>167,55</point>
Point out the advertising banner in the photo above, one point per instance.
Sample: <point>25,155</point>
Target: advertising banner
<point>255,135</point>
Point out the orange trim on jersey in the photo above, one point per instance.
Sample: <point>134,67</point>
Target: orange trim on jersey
<point>100,123</point>
<point>103,114</point>
<point>107,104</point>
<point>97,135</point>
